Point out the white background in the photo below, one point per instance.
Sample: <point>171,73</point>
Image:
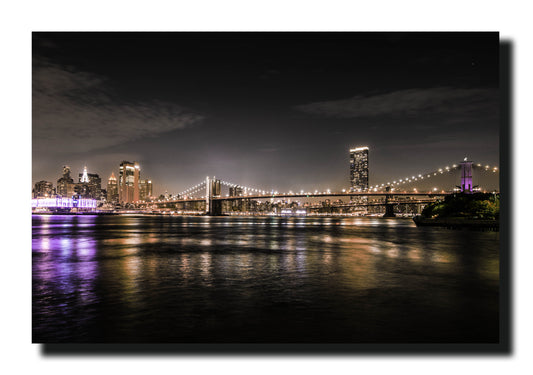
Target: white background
<point>18,19</point>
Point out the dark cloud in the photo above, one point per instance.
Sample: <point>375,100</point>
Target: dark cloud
<point>75,111</point>
<point>411,102</point>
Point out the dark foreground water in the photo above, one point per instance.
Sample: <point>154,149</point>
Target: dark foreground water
<point>235,279</point>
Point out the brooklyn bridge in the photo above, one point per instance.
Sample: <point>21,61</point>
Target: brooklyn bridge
<point>214,196</point>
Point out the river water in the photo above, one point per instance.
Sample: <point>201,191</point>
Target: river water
<point>155,279</point>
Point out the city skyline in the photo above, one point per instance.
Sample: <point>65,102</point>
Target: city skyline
<point>272,110</point>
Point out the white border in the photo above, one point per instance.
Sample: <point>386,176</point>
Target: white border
<point>511,18</point>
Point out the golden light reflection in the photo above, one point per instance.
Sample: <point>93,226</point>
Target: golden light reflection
<point>205,268</point>
<point>443,257</point>
<point>359,269</point>
<point>415,255</point>
<point>393,253</point>
<point>185,265</point>
<point>206,242</point>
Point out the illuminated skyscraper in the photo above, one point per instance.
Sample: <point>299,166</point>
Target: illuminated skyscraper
<point>145,189</point>
<point>89,185</point>
<point>235,191</point>
<point>359,168</point>
<point>66,185</point>
<point>84,177</point>
<point>128,184</point>
<point>112,189</point>
<point>43,189</point>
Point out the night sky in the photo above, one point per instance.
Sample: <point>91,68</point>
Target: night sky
<point>269,110</point>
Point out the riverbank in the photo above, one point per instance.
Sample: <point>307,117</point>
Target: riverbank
<point>457,223</point>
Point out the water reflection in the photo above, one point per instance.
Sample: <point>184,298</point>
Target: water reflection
<point>191,277</point>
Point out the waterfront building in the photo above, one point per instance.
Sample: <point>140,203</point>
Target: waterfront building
<point>112,189</point>
<point>145,190</point>
<point>359,168</point>
<point>128,183</point>
<point>65,185</point>
<point>43,189</point>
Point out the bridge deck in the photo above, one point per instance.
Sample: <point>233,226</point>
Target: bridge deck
<point>278,196</point>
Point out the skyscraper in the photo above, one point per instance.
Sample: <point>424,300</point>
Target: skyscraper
<point>145,189</point>
<point>66,185</point>
<point>359,168</point>
<point>128,184</point>
<point>43,189</point>
<point>89,185</point>
<point>112,189</point>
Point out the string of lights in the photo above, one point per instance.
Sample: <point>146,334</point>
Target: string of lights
<point>394,184</point>
<point>421,176</point>
<point>193,189</point>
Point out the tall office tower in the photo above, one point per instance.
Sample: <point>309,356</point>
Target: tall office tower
<point>43,189</point>
<point>66,185</point>
<point>145,189</point>
<point>89,185</point>
<point>112,189</point>
<point>359,168</point>
<point>128,182</point>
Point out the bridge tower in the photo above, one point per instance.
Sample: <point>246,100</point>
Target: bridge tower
<point>389,208</point>
<point>212,189</point>
<point>466,177</point>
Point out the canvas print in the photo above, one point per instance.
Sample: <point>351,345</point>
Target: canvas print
<point>266,188</point>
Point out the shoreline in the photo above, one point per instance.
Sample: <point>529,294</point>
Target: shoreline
<point>201,215</point>
<point>457,223</point>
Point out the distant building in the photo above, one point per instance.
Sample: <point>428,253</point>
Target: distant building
<point>235,191</point>
<point>43,189</point>
<point>128,183</point>
<point>66,185</point>
<point>89,185</point>
<point>145,190</point>
<point>112,189</point>
<point>359,168</point>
